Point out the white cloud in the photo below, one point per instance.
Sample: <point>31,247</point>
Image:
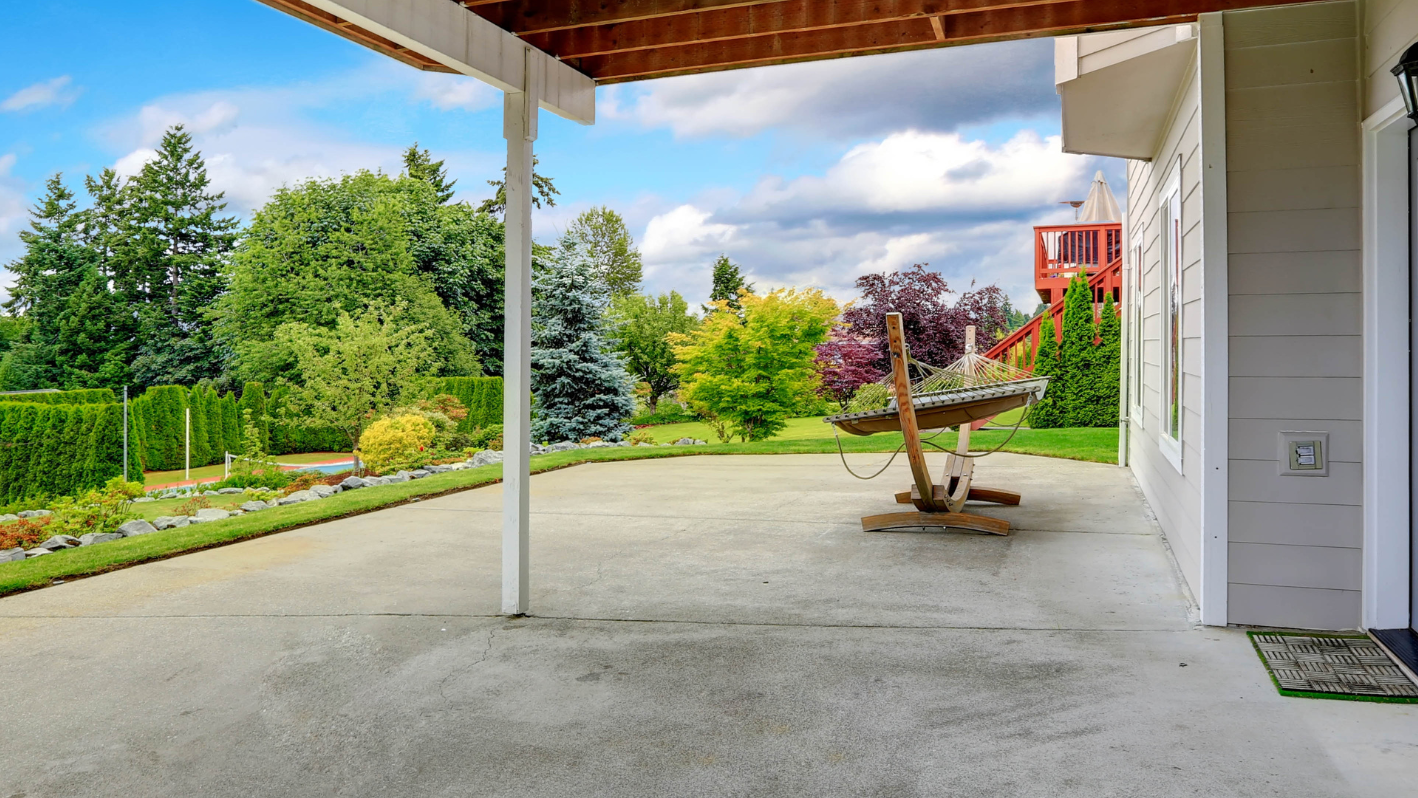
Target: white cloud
<point>963,206</point>
<point>13,215</point>
<point>869,96</point>
<point>56,91</point>
<point>449,92</point>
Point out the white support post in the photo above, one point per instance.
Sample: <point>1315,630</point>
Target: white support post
<point>187,444</point>
<point>519,127</point>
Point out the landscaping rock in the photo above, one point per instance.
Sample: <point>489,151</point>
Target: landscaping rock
<point>418,473</point>
<point>8,517</point>
<point>701,443</point>
<point>210,514</point>
<point>98,537</point>
<point>230,491</point>
<point>34,513</point>
<point>254,506</point>
<point>643,444</point>
<point>325,491</point>
<point>623,443</point>
<point>10,555</point>
<point>486,457</point>
<point>438,469</point>
<point>37,552</point>
<point>402,476</point>
<point>210,493</point>
<point>685,442</point>
<point>171,521</point>
<point>142,499</point>
<point>60,542</point>
<point>564,446</point>
<point>354,483</point>
<point>138,527</point>
<point>298,497</point>
<point>235,513</point>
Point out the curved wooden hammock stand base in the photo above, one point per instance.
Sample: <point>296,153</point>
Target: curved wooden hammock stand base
<point>938,506</point>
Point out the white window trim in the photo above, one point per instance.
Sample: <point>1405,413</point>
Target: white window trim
<point>1170,447</point>
<point>1137,308</point>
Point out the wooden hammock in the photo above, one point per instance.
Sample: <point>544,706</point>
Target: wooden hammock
<point>939,505</point>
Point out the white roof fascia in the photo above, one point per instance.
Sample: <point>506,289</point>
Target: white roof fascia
<point>1122,110</point>
<point>466,43</point>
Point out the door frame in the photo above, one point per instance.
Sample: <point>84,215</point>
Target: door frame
<point>1387,401</point>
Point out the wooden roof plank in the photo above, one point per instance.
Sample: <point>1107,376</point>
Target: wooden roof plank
<point>758,20</point>
<point>1075,16</point>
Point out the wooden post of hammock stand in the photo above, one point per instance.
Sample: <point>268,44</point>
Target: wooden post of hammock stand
<point>937,506</point>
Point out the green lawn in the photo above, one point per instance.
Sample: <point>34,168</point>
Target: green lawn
<point>804,436</point>
<point>211,471</point>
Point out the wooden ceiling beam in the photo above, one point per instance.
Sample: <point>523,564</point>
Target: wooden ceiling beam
<point>1075,16</point>
<point>759,20</point>
<point>542,16</point>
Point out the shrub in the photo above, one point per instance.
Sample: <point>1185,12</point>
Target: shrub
<point>273,478</point>
<point>590,440</point>
<point>25,533</point>
<point>192,505</point>
<point>489,437</point>
<point>395,442</point>
<point>102,510</point>
<point>92,396</point>
<point>668,413</point>
<point>641,436</point>
<point>480,396</point>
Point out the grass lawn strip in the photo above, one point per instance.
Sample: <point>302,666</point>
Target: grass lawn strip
<point>1097,445</point>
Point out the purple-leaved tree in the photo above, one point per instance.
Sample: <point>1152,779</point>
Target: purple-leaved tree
<point>844,363</point>
<point>934,326</point>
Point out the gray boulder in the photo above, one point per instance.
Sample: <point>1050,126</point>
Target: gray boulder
<point>638,445</point>
<point>486,457</point>
<point>34,513</point>
<point>418,473</point>
<point>254,506</point>
<point>37,551</point>
<point>685,442</point>
<point>210,493</point>
<point>564,446</point>
<point>142,499</point>
<point>354,483</point>
<point>230,491</point>
<point>10,555</point>
<point>402,476</point>
<point>623,443</point>
<point>371,482</point>
<point>98,537</point>
<point>701,443</point>
<point>170,521</point>
<point>459,467</point>
<point>60,542</point>
<point>210,514</point>
<point>297,497</point>
<point>8,517</point>
<point>438,469</point>
<point>326,491</point>
<point>138,527</point>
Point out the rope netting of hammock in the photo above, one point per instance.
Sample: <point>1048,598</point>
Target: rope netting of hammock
<point>933,383</point>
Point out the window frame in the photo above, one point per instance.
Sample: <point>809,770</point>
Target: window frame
<point>1171,409</point>
<point>1138,338</point>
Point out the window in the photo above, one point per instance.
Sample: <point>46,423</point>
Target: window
<point>1135,335</point>
<point>1171,263</point>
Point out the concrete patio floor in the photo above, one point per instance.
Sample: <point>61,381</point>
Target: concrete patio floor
<point>702,626</point>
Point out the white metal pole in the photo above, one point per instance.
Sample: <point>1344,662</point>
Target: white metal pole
<point>187,448</point>
<point>519,127</point>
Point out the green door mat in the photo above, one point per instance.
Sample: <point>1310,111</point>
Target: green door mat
<point>1344,667</point>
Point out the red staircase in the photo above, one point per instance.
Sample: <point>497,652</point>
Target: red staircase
<point>1060,252</point>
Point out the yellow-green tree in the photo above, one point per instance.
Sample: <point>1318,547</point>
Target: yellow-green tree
<point>755,371</point>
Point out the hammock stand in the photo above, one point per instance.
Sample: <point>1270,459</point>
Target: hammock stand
<point>940,505</point>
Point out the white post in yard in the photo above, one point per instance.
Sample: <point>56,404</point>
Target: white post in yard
<point>187,446</point>
<point>519,127</point>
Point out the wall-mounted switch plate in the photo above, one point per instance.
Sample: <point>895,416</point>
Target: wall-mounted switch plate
<point>1304,454</point>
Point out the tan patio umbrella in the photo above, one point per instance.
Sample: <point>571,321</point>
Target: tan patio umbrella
<point>1100,206</point>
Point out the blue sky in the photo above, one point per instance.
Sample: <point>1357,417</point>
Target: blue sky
<point>808,174</point>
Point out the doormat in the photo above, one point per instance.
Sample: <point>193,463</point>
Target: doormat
<point>1343,667</point>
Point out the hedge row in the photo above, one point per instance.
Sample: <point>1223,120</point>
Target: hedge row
<point>161,420</point>
<point>93,396</point>
<point>481,395</point>
<point>61,449</point>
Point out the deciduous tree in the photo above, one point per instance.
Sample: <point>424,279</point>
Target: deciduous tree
<point>642,327</point>
<point>602,238</point>
<point>756,372</point>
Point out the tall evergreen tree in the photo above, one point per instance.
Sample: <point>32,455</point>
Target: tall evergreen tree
<point>54,265</point>
<point>728,282</point>
<point>85,339</point>
<point>253,402</point>
<point>419,165</point>
<point>582,390</point>
<point>543,190</point>
<point>180,244</point>
<point>1075,348</point>
<point>1049,412</point>
<point>1104,365</point>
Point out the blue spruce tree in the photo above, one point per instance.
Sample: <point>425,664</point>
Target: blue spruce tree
<point>582,390</point>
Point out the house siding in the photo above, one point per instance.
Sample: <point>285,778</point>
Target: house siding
<point>1293,100</point>
<point>1175,496</point>
<point>1389,26</point>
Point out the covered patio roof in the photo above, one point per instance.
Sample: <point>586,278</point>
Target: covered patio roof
<point>615,42</point>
